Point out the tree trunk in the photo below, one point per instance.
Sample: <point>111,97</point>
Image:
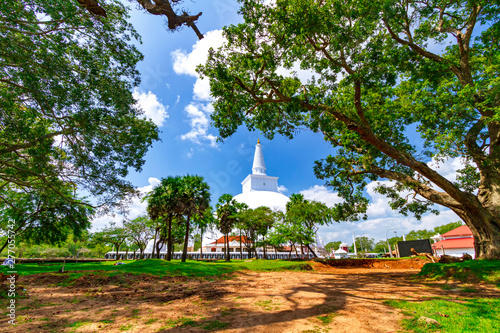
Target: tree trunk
<point>15,233</point>
<point>227,248</point>
<point>154,243</point>
<point>486,232</point>
<point>314,254</point>
<point>201,243</point>
<point>241,248</point>
<point>186,239</point>
<point>5,245</point>
<point>264,247</point>
<point>117,250</point>
<point>169,246</point>
<point>157,246</point>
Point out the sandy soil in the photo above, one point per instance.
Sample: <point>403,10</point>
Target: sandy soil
<point>326,299</point>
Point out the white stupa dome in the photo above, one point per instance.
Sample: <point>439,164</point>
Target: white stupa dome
<point>259,189</point>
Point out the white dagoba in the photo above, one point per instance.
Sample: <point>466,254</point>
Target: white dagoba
<point>259,189</point>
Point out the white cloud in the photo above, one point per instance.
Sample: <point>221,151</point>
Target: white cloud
<point>282,189</point>
<point>201,90</point>
<point>304,75</point>
<point>190,153</point>
<point>198,115</point>
<point>448,168</point>
<point>153,109</point>
<point>378,228</point>
<point>382,220</point>
<point>135,208</point>
<point>322,194</point>
<point>185,63</point>
<point>379,205</point>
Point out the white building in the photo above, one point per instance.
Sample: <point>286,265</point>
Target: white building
<point>259,189</point>
<point>455,242</point>
<point>234,244</point>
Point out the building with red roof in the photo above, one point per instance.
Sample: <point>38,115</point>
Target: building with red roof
<point>234,244</point>
<point>455,242</point>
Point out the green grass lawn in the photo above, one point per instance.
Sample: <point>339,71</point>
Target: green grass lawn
<point>161,267</point>
<point>470,315</point>
<point>471,271</point>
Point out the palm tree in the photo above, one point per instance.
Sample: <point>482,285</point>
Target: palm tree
<point>227,208</point>
<point>193,200</point>
<point>163,205</point>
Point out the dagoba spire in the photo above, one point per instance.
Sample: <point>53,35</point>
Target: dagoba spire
<point>259,167</point>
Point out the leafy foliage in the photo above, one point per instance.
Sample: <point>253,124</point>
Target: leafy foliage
<point>376,80</point>
<point>140,230</point>
<point>43,217</point>
<point>67,115</point>
<point>332,246</point>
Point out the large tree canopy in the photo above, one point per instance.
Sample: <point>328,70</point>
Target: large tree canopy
<point>380,87</point>
<point>67,115</point>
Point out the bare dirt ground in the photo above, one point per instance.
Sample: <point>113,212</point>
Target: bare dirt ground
<point>326,299</point>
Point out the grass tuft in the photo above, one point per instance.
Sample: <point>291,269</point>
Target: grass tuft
<point>215,325</point>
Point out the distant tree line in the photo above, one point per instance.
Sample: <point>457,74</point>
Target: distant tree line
<point>366,244</point>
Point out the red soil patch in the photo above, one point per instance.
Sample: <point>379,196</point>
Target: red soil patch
<point>328,299</point>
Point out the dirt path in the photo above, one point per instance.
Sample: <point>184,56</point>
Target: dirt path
<point>328,300</point>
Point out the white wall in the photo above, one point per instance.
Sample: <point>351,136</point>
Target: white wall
<point>456,252</point>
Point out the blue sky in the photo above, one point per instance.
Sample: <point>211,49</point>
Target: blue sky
<point>174,97</point>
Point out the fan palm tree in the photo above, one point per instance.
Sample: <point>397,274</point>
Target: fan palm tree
<point>193,201</point>
<point>164,204</point>
<point>227,208</point>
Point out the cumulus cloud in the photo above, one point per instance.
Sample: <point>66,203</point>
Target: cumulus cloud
<point>378,228</point>
<point>322,194</point>
<point>198,115</point>
<point>447,168</point>
<point>304,75</point>
<point>153,109</point>
<point>282,189</point>
<point>186,63</point>
<point>198,112</point>
<point>379,204</point>
<point>381,219</point>
<point>135,208</point>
